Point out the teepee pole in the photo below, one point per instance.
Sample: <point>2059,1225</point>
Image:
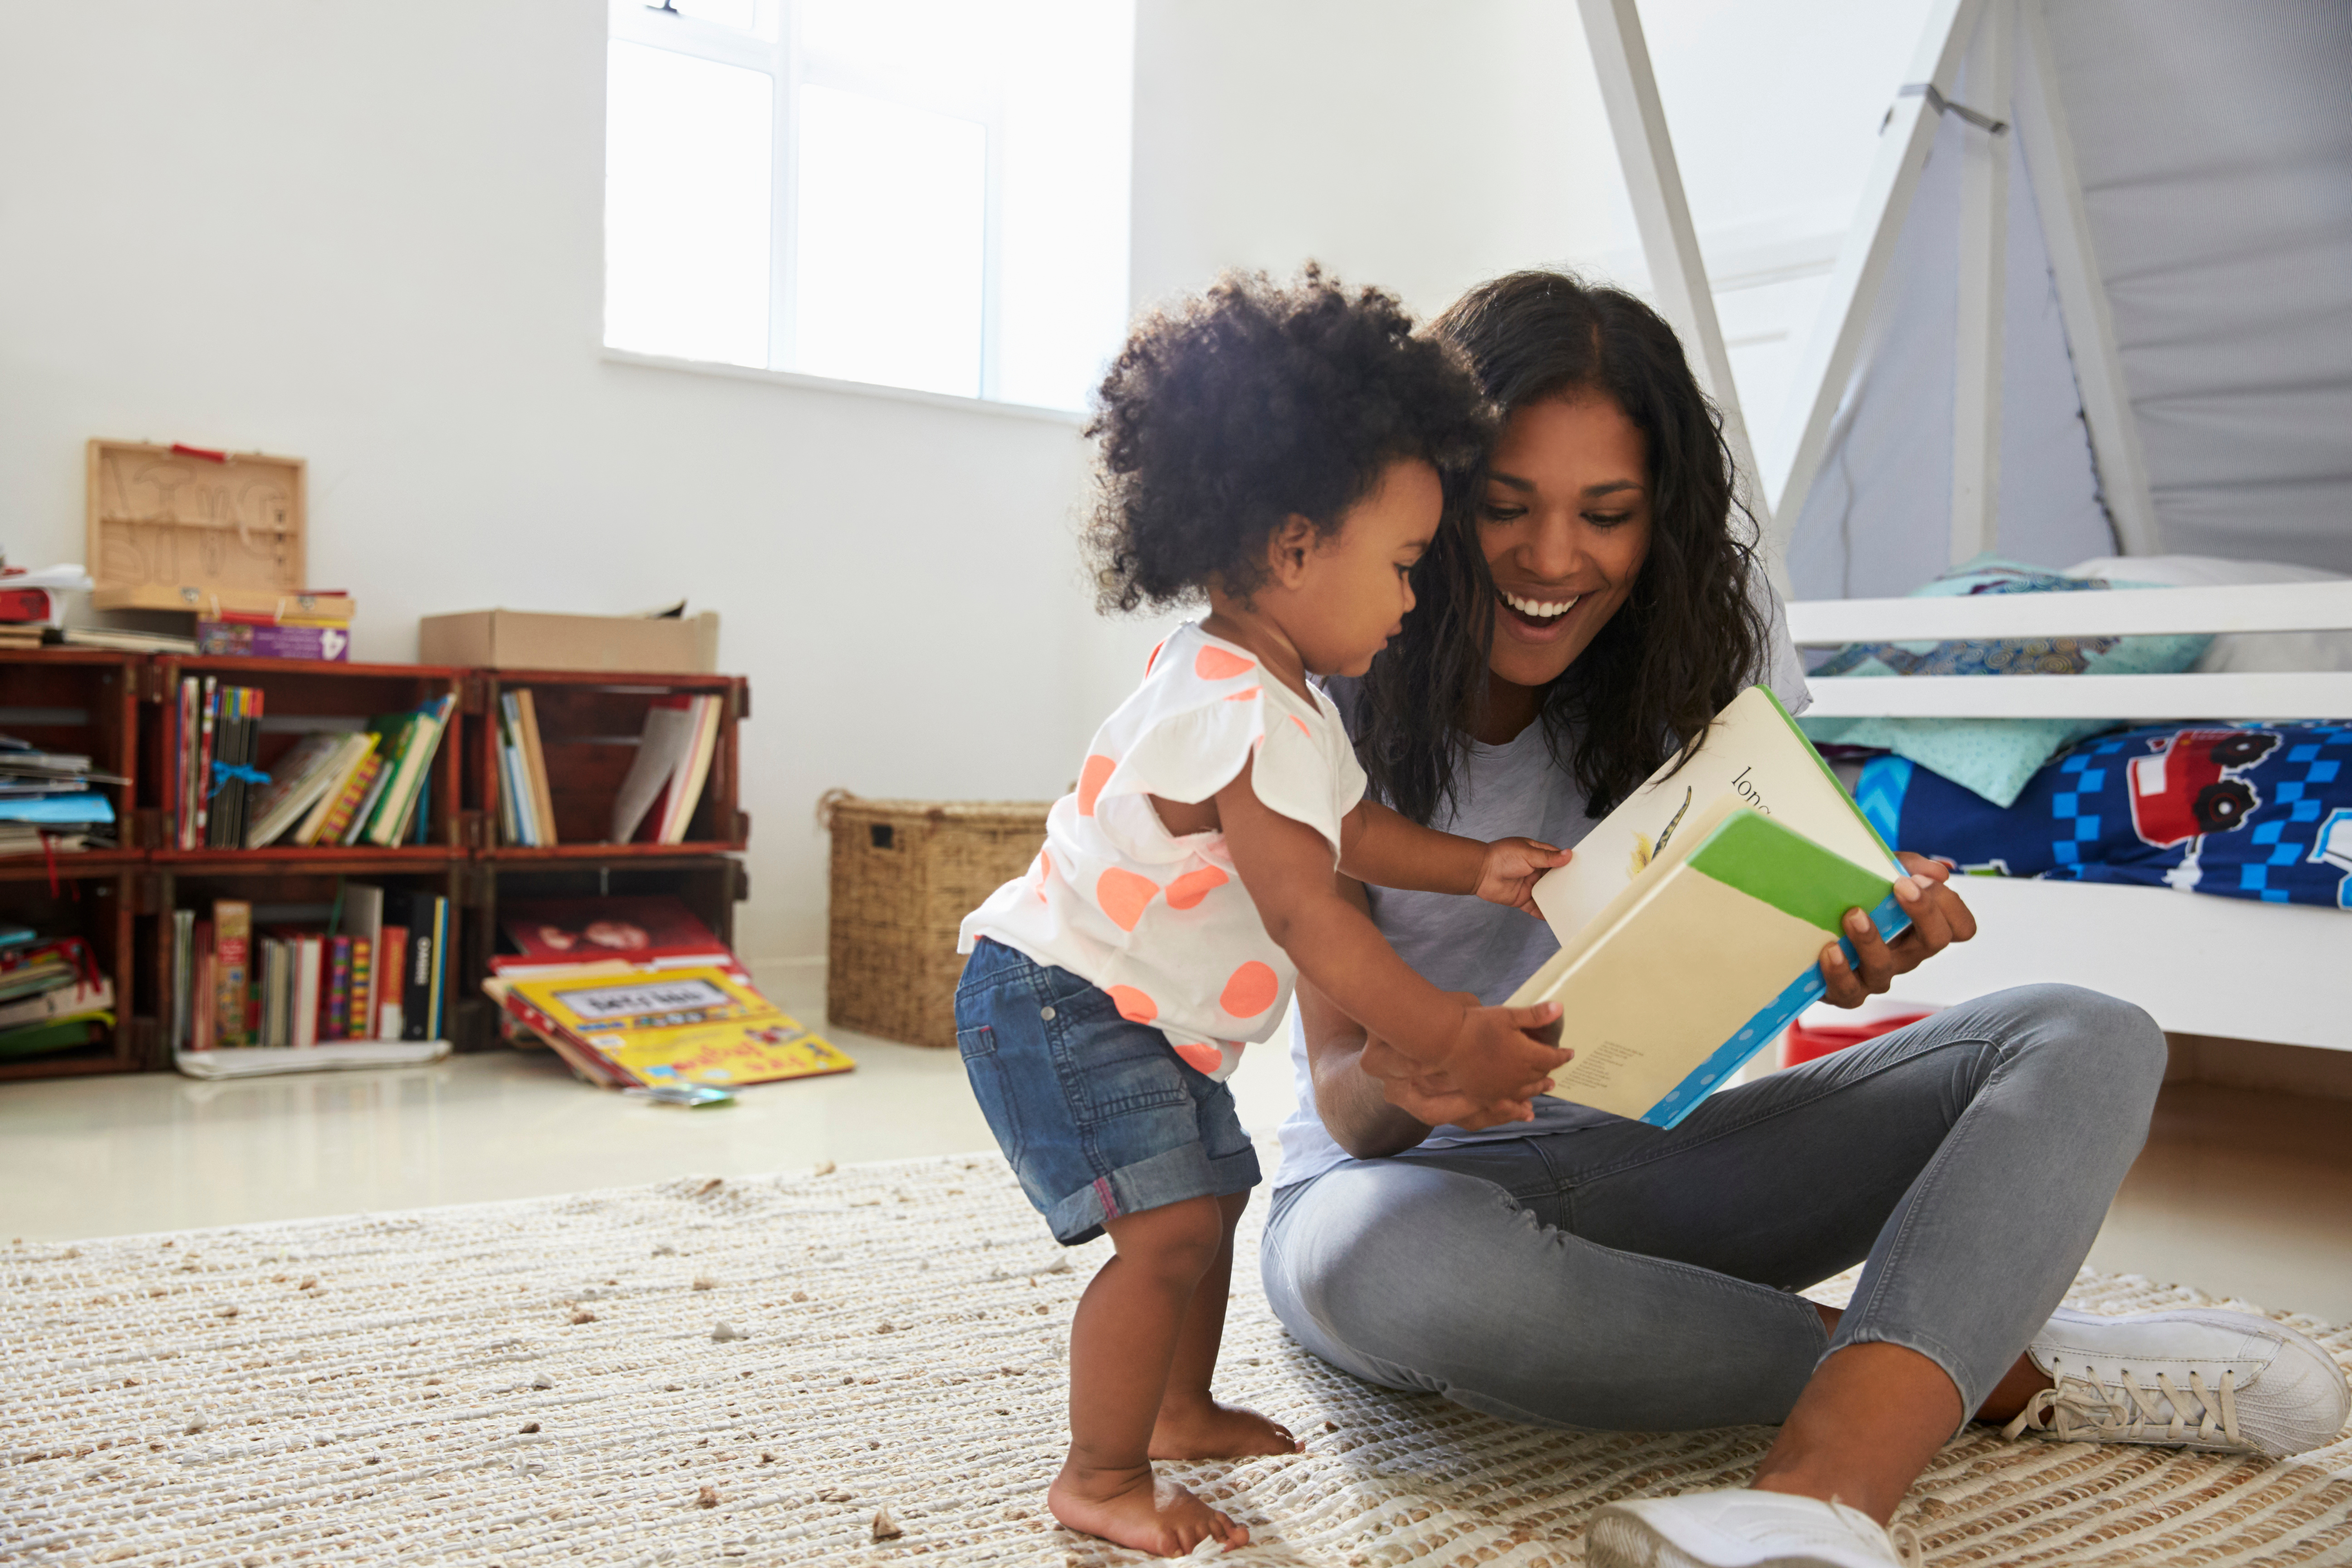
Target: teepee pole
<point>1984,241</point>
<point>1836,343</point>
<point>1637,120</point>
<point>2083,293</point>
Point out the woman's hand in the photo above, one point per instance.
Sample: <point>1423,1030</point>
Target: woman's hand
<point>1508,873</point>
<point>1939,919</point>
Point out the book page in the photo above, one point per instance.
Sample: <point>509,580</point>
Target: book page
<point>1752,752</point>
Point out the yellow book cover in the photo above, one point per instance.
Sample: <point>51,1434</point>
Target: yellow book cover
<point>702,1025</point>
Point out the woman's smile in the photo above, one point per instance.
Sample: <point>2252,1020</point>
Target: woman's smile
<point>1540,616</point>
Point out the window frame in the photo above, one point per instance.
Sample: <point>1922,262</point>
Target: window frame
<point>788,65</point>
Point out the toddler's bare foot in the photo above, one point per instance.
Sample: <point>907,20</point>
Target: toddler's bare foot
<point>1137,1508</point>
<point>1207,1430</point>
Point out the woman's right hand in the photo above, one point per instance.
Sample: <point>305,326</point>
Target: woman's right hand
<point>1498,1062</point>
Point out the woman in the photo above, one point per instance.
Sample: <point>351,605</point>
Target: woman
<point>1548,1263</point>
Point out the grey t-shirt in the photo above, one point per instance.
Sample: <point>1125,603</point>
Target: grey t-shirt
<point>1468,944</point>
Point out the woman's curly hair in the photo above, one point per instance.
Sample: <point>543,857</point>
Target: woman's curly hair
<point>1690,637</point>
<point>1226,414</point>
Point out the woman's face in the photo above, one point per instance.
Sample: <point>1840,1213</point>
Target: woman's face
<point>1565,525</point>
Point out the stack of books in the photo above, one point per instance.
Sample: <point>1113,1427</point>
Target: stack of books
<point>526,804</point>
<point>314,624</point>
<point>353,976</point>
<point>637,994</point>
<point>32,604</point>
<point>53,996</point>
<point>673,762</point>
<point>340,786</point>
<point>46,806</point>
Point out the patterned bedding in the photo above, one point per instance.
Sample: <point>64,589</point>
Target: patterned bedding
<point>2248,812</point>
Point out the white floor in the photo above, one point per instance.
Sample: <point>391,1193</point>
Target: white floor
<point>2239,1192</point>
<point>123,1154</point>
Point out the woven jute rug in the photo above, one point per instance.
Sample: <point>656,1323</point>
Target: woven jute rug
<point>777,1370</point>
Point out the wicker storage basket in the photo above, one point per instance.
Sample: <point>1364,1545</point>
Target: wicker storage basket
<point>905,873</point>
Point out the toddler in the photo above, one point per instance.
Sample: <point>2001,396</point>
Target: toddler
<point>1288,454</point>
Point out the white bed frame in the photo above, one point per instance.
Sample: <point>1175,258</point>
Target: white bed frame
<point>2201,965</point>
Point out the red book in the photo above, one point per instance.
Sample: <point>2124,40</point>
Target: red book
<point>27,606</point>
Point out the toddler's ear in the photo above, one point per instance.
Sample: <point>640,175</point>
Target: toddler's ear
<point>1287,548</point>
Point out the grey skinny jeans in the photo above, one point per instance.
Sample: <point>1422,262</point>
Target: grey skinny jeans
<point>1618,1277</point>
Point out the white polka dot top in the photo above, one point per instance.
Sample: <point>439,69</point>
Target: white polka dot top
<point>1163,924</point>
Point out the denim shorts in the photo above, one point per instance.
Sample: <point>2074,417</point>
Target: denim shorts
<point>1099,1116</point>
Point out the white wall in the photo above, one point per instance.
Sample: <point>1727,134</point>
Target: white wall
<point>369,235</point>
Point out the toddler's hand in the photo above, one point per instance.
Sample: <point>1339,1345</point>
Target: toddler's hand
<point>1511,868</point>
<point>1497,1060</point>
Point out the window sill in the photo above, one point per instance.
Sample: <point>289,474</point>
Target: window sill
<point>860,388</point>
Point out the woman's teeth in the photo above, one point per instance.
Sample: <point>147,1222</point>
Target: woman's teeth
<point>1540,610</point>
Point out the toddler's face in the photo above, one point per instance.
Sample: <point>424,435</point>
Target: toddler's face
<point>1354,592</point>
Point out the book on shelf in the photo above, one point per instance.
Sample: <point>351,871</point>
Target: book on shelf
<point>391,954</point>
<point>409,741</point>
<point>46,804</point>
<point>53,997</point>
<point>1693,917</point>
<point>665,781</point>
<point>30,609</point>
<point>315,765</point>
<point>330,816</point>
<point>423,985</point>
<point>232,954</point>
<point>119,639</point>
<point>526,801</point>
<point>277,639</point>
<point>183,958</point>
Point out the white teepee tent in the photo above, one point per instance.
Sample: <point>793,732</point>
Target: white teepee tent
<point>2098,299</point>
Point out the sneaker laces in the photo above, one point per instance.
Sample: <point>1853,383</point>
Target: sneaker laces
<point>2084,1410</point>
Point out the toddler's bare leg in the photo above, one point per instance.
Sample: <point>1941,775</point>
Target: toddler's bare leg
<point>1193,1424</point>
<point>1122,1341</point>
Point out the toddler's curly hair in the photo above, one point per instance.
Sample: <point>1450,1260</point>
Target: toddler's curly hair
<point>1227,413</point>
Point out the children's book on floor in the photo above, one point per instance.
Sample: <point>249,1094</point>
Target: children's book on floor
<point>373,967</point>
<point>1693,918</point>
<point>635,993</point>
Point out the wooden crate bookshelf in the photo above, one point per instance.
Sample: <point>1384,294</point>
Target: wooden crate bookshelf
<point>589,724</point>
<point>84,701</point>
<point>122,710</point>
<point>98,905</point>
<point>301,696</point>
<point>297,894</point>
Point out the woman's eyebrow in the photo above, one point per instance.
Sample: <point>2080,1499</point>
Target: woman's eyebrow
<point>1609,487</point>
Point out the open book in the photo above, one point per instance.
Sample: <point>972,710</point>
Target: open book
<point>1691,920</point>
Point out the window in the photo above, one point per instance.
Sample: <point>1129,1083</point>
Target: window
<point>924,194</point>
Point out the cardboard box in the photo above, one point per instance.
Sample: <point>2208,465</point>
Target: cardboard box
<point>528,639</point>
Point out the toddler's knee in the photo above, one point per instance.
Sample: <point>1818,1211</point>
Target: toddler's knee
<point>1179,1241</point>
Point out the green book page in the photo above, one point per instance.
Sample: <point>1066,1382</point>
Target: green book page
<point>1770,862</point>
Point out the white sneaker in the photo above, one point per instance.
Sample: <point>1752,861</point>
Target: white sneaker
<point>2221,1381</point>
<point>1743,1529</point>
